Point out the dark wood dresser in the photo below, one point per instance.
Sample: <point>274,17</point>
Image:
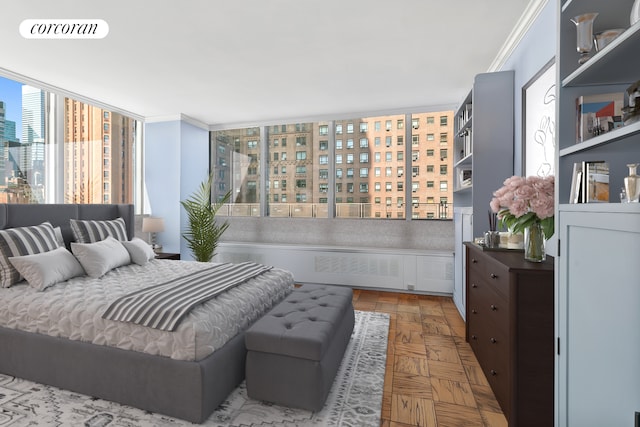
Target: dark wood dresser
<point>509,326</point>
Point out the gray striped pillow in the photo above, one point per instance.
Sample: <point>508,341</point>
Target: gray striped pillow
<point>21,241</point>
<point>91,231</point>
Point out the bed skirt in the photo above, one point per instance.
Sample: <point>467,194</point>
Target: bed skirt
<point>189,390</point>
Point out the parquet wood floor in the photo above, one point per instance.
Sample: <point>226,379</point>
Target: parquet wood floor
<point>432,377</point>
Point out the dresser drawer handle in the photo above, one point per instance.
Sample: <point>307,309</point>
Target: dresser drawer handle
<point>493,276</point>
<point>493,340</point>
<point>493,372</point>
<point>474,261</point>
<point>473,311</point>
<point>493,307</point>
<point>473,337</point>
<point>473,285</point>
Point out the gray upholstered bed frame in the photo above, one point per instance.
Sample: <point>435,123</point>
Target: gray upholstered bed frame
<point>181,389</point>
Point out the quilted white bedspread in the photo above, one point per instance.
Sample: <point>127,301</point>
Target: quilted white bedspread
<point>74,309</point>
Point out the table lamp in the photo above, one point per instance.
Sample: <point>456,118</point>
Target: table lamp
<point>153,225</point>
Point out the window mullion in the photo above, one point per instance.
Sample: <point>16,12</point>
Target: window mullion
<point>264,170</point>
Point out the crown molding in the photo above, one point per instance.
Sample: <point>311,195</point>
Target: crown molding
<point>519,30</point>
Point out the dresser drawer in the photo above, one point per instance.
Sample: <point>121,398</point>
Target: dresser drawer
<point>495,365</point>
<point>487,305</point>
<point>498,276</point>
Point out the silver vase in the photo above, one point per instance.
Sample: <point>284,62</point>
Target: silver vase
<point>632,183</point>
<point>584,41</point>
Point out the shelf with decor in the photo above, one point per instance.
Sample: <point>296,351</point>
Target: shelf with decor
<point>597,242</point>
<point>483,159</point>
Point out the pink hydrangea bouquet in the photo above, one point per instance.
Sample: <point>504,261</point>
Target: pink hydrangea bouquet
<point>522,202</point>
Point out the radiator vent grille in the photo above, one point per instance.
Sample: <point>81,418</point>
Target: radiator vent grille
<point>368,266</point>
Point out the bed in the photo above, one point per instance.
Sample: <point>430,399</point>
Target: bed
<point>182,374</point>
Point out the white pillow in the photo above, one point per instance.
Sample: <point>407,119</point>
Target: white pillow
<point>47,268</point>
<point>139,250</point>
<point>99,258</point>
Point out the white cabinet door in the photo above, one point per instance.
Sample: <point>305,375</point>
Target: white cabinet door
<point>598,318</point>
<point>463,230</point>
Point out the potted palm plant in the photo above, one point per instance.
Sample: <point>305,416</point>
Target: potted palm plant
<point>203,232</point>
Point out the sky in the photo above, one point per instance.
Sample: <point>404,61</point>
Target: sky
<point>11,94</point>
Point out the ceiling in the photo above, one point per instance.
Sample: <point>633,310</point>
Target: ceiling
<point>255,61</point>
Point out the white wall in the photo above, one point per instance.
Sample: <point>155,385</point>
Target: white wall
<point>176,161</point>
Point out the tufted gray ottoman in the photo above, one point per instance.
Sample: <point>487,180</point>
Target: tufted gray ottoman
<point>295,350</point>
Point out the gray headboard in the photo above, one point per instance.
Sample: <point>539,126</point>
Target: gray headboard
<point>19,215</point>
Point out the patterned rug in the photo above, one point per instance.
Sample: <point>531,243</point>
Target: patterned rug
<point>355,398</point>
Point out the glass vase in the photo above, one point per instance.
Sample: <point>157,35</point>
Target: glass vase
<point>584,40</point>
<point>534,243</point>
<point>632,184</point>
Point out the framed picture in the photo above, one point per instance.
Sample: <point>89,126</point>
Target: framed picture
<point>538,122</point>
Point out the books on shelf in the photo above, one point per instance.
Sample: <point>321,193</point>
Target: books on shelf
<point>598,114</point>
<point>590,182</point>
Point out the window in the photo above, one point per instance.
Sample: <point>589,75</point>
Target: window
<point>443,120</point>
<point>377,200</point>
<point>430,120</point>
<point>350,167</point>
<point>388,201</point>
<point>415,186</point>
<point>443,138</point>
<point>443,186</point>
<point>430,184</point>
<point>443,169</point>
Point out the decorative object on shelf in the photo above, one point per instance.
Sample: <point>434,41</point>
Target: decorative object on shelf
<point>538,118</point>
<point>534,243</point>
<point>584,30</point>
<point>153,225</point>
<point>202,231</point>
<point>598,114</point>
<point>632,184</point>
<point>525,202</point>
<point>603,38</point>
<point>492,237</point>
<point>635,12</point>
<point>631,110</point>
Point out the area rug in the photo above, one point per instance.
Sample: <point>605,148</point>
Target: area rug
<point>355,398</point>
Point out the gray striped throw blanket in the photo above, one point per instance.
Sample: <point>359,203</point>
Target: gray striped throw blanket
<point>164,306</point>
